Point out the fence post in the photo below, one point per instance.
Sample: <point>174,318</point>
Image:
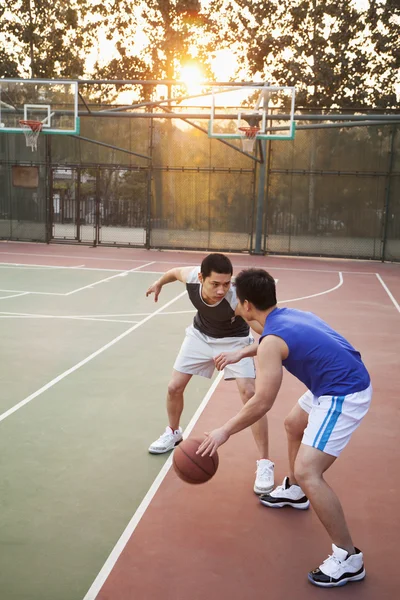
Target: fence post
<point>49,191</point>
<point>262,172</point>
<point>149,184</point>
<point>77,172</point>
<point>97,210</point>
<point>387,192</point>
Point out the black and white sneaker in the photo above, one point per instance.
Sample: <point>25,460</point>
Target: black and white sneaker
<point>286,495</point>
<point>338,569</point>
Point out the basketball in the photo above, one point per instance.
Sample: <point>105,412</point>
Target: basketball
<point>192,467</point>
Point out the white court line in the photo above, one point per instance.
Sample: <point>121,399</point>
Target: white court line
<point>121,274</point>
<point>91,285</point>
<point>141,266</point>
<point>183,263</point>
<point>85,360</point>
<point>35,267</point>
<point>14,295</point>
<point>133,523</point>
<point>315,295</point>
<point>131,260</point>
<point>180,312</point>
<point>4,315</point>
<point>389,293</point>
<point>101,318</point>
<point>38,293</point>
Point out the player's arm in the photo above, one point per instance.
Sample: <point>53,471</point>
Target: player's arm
<point>177,274</point>
<point>229,358</point>
<point>268,381</point>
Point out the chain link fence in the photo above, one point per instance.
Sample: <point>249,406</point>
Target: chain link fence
<point>161,183</point>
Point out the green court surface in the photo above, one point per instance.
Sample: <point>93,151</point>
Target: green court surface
<point>74,463</point>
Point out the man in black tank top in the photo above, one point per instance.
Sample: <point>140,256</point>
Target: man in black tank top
<point>216,331</point>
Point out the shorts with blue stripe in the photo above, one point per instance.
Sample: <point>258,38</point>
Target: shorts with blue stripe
<point>333,419</point>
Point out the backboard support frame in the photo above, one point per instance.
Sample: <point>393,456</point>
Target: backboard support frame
<point>23,109</point>
<point>258,112</point>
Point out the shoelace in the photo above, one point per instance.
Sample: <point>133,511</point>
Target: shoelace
<point>263,470</point>
<point>334,558</point>
<point>165,436</point>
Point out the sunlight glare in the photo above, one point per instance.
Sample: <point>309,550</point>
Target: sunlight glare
<point>192,77</point>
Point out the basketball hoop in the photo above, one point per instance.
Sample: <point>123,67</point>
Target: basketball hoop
<point>31,130</point>
<point>249,135</point>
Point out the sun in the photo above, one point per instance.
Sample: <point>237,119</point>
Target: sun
<point>193,77</point>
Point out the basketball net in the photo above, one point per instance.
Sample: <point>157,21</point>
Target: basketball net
<point>249,136</point>
<point>31,130</point>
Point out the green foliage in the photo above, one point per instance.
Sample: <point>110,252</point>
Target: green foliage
<point>44,38</point>
<point>334,53</point>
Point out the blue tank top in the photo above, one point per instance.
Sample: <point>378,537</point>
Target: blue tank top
<point>321,358</point>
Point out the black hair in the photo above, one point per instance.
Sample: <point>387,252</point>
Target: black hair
<point>219,263</point>
<point>256,286</point>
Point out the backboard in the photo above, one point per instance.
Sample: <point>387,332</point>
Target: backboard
<point>52,102</point>
<point>269,108</point>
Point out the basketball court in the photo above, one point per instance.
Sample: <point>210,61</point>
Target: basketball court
<point>86,511</point>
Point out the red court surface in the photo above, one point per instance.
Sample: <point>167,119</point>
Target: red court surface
<point>216,541</point>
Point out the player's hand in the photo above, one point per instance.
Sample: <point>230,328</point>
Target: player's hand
<point>226,358</point>
<point>214,440</point>
<point>154,289</point>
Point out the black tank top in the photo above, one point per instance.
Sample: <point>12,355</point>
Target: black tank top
<point>217,320</point>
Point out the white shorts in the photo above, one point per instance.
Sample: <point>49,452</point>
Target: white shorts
<point>333,419</point>
<point>196,356</point>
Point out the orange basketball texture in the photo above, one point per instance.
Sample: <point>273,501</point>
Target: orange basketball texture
<point>192,467</point>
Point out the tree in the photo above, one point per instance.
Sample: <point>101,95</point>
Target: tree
<point>44,38</point>
<point>337,55</point>
<point>152,39</point>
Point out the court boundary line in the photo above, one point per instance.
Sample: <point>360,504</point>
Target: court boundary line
<point>84,361</point>
<point>389,293</point>
<point>126,535</point>
<point>36,267</point>
<point>184,263</point>
<point>119,273</point>
<point>317,294</point>
<point>99,317</point>
<point>62,317</point>
<point>14,295</point>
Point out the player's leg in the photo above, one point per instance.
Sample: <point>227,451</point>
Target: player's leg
<point>264,482</point>
<point>176,388</point>
<point>331,423</point>
<point>172,435</point>
<point>289,493</point>
<point>246,389</point>
<point>295,424</point>
<point>194,358</point>
<point>346,562</point>
<point>310,466</point>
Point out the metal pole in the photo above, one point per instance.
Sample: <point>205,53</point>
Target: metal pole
<point>49,194</point>
<point>387,193</point>
<point>268,168</point>
<point>260,200</point>
<point>78,173</point>
<point>149,186</point>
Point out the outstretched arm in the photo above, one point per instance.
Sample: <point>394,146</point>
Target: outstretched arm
<point>177,274</point>
<point>268,382</point>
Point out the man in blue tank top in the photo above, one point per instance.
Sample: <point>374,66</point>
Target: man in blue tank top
<point>319,426</point>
